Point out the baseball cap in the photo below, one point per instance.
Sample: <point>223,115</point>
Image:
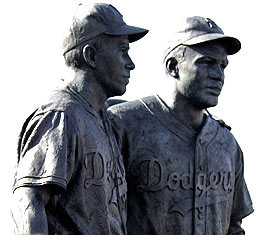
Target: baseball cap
<point>94,19</point>
<point>197,30</point>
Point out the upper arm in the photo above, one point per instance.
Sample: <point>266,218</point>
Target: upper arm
<point>235,228</point>
<point>32,196</point>
<point>28,210</point>
<point>242,203</point>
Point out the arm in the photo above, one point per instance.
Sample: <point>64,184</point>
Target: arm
<point>242,204</point>
<point>29,210</point>
<point>47,145</point>
<point>236,229</point>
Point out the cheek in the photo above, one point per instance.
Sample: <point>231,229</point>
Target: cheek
<point>117,63</point>
<point>195,79</point>
<point>200,77</point>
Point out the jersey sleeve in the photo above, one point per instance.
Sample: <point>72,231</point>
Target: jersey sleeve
<point>46,151</point>
<point>242,204</point>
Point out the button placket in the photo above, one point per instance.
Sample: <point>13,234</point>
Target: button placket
<point>200,185</point>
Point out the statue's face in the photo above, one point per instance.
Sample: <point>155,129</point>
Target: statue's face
<point>201,74</point>
<point>113,65</point>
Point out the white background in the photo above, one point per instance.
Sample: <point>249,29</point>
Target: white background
<point>32,64</point>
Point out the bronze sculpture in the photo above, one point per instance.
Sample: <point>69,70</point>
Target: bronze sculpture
<point>70,176</point>
<point>184,168</point>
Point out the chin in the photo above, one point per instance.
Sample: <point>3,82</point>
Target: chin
<point>210,101</point>
<point>207,104</point>
<point>212,104</point>
<point>118,92</point>
<point>122,90</point>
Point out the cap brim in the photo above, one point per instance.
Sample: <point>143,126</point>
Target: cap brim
<point>134,33</point>
<point>232,44</point>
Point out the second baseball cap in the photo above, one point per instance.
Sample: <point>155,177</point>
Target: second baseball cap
<point>198,30</point>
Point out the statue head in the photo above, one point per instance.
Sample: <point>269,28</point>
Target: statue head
<point>196,59</point>
<point>98,42</point>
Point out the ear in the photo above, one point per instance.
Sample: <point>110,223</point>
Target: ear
<point>172,67</point>
<point>89,54</point>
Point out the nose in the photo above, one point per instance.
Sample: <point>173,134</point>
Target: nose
<point>130,64</point>
<point>217,73</point>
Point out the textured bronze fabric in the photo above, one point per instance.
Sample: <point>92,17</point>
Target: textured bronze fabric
<point>67,144</point>
<point>179,181</point>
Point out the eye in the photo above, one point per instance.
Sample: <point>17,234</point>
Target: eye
<point>223,66</point>
<point>124,50</point>
<point>206,62</point>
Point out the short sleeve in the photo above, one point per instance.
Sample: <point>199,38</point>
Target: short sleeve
<point>46,151</point>
<point>242,204</point>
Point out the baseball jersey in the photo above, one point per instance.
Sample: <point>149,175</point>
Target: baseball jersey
<point>180,182</point>
<point>66,143</point>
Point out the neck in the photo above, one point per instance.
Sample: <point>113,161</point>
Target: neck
<point>184,111</point>
<point>87,86</point>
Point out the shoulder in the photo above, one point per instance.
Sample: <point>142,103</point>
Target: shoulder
<point>221,122</point>
<point>224,133</point>
<point>125,107</point>
<point>128,117</point>
<point>224,136</point>
<point>218,121</point>
<point>60,106</point>
<point>59,100</point>
<point>128,110</point>
<point>52,114</point>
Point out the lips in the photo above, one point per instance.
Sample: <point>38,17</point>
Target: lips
<point>215,90</point>
<point>126,79</point>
